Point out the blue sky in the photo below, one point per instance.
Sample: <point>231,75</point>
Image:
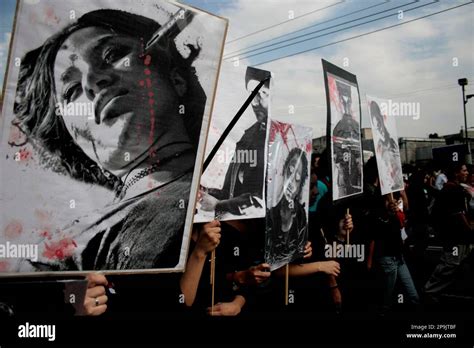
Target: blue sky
<point>7,10</point>
<point>413,62</point>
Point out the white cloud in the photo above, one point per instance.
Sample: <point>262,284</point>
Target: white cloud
<point>249,16</point>
<point>392,63</point>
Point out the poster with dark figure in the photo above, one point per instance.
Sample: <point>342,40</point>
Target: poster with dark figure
<point>344,134</point>
<point>289,159</point>
<point>106,111</point>
<point>387,152</point>
<point>233,186</point>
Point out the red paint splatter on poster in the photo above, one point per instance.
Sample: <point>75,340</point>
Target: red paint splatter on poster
<point>46,234</point>
<point>13,229</point>
<point>60,250</point>
<point>4,266</point>
<point>282,129</point>
<point>24,155</point>
<point>16,136</point>
<point>334,94</point>
<point>43,216</point>
<point>50,16</point>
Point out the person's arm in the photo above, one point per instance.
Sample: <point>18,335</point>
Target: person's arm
<point>228,308</point>
<point>252,276</point>
<point>329,267</point>
<point>208,240</point>
<point>370,256</point>
<point>404,198</point>
<point>335,292</point>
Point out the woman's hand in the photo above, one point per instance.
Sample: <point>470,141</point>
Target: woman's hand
<point>209,238</point>
<point>254,275</point>
<point>347,223</point>
<point>308,250</point>
<point>392,206</point>
<point>95,302</point>
<point>330,267</point>
<point>228,309</point>
<point>345,226</point>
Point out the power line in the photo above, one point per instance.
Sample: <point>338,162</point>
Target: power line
<point>427,90</point>
<point>440,88</point>
<point>333,32</point>
<point>284,22</point>
<point>314,25</point>
<point>361,35</point>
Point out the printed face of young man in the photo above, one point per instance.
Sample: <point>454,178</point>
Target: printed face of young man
<point>106,73</point>
<point>260,102</point>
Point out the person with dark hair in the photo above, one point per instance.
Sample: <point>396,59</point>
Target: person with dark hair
<point>238,276</point>
<point>455,229</point>
<point>380,215</point>
<point>323,184</point>
<point>287,227</point>
<point>418,219</point>
<point>134,131</point>
<point>387,147</point>
<point>244,180</point>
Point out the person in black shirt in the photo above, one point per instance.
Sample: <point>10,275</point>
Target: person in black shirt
<point>386,246</point>
<point>237,267</point>
<point>457,237</point>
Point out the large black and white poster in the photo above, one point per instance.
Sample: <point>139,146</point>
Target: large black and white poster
<point>387,151</point>
<point>105,118</point>
<point>344,134</point>
<point>289,157</point>
<point>233,186</point>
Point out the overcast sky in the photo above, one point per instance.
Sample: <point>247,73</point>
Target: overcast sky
<point>416,62</point>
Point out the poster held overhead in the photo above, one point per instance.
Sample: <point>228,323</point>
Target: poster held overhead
<point>387,151</point>
<point>289,157</point>
<point>233,185</point>
<point>343,130</point>
<point>103,133</point>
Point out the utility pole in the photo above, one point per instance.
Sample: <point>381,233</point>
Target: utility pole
<point>463,83</point>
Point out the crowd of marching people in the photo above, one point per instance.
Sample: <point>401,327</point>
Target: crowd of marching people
<point>397,232</point>
<point>416,254</point>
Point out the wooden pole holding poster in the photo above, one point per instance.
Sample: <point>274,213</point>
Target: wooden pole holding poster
<point>213,276</point>
<point>287,279</point>
<point>347,231</point>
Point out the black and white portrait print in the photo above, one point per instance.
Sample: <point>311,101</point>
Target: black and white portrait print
<point>102,128</point>
<point>289,154</point>
<point>233,186</point>
<point>344,132</point>
<point>387,152</point>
